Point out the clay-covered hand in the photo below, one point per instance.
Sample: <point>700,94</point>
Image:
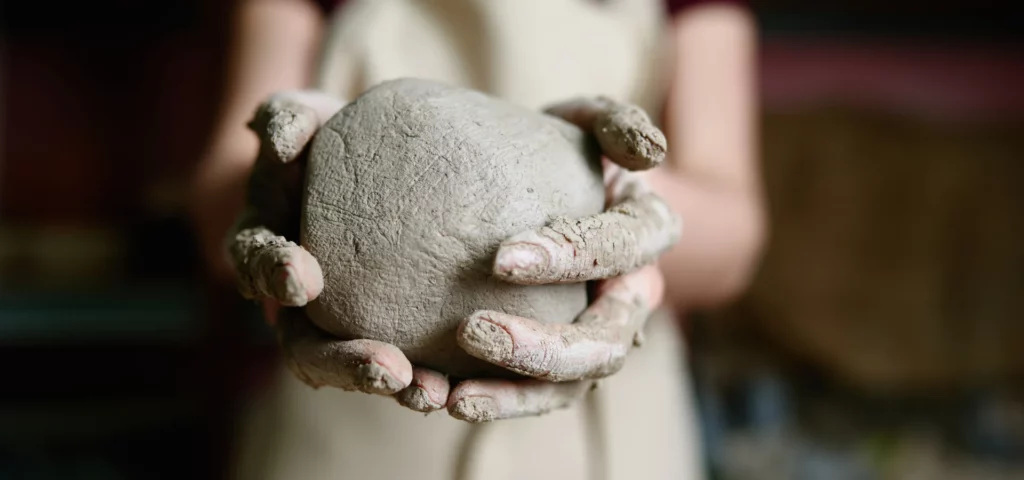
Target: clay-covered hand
<point>275,270</point>
<point>269,266</point>
<point>617,248</point>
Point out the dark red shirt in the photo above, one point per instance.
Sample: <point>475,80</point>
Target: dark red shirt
<point>671,6</point>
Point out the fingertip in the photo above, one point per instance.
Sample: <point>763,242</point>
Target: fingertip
<point>474,409</point>
<point>288,288</point>
<point>521,260</point>
<point>630,139</point>
<point>291,126</point>
<point>428,391</point>
<point>377,378</point>
<point>417,399</point>
<point>484,336</point>
<point>383,368</point>
<point>476,401</point>
<point>299,280</point>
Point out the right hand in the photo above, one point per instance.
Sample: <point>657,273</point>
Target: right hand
<point>284,277</point>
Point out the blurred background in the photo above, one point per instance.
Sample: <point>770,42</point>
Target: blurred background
<point>882,338</point>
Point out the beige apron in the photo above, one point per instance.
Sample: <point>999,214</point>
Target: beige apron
<point>640,424</point>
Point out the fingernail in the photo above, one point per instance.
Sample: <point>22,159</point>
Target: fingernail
<point>521,260</point>
<point>418,399</point>
<point>375,378</point>
<point>475,409</point>
<point>486,340</point>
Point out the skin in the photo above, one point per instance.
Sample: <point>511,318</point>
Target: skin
<point>709,177</point>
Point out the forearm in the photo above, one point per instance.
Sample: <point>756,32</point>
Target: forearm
<point>274,44</point>
<point>723,235</point>
<point>712,177</point>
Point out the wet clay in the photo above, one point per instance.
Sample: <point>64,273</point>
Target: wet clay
<point>409,191</point>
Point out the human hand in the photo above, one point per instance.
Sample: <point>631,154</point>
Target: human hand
<point>617,248</point>
<point>283,276</point>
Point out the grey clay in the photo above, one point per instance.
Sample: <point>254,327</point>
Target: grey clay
<point>409,191</point>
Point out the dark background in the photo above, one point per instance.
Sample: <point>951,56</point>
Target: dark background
<point>119,361</point>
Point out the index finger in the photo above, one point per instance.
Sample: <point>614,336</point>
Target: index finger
<point>625,132</point>
<point>620,240</point>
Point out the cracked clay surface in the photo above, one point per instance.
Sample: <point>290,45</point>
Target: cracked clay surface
<point>411,188</point>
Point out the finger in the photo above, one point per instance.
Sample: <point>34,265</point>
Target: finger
<point>625,132</point>
<point>643,289</point>
<point>552,352</point>
<point>288,120</point>
<point>595,346</point>
<point>355,365</point>
<point>488,400</point>
<point>646,286</point>
<point>270,266</point>
<point>427,392</point>
<point>633,232</point>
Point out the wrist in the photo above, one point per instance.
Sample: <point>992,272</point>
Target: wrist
<point>723,235</point>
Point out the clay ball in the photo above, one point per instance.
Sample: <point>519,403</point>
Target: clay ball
<point>409,191</point>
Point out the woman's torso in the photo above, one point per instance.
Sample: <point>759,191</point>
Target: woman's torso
<point>532,52</point>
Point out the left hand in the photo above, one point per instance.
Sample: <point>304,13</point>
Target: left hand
<point>617,248</point>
